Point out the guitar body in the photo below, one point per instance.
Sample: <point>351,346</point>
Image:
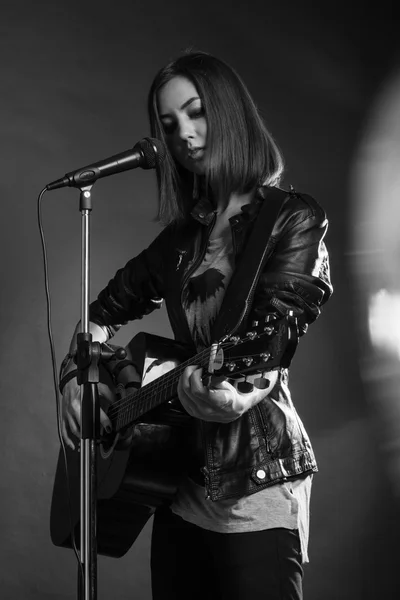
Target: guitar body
<point>133,482</point>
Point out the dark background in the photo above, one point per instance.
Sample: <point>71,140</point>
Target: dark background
<point>74,81</point>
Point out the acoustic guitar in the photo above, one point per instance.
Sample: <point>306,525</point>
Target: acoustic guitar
<point>135,478</point>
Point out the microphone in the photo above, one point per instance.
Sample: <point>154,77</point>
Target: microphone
<point>147,154</point>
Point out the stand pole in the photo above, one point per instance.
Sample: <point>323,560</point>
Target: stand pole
<point>88,357</point>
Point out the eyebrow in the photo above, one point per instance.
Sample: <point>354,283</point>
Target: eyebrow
<point>184,105</point>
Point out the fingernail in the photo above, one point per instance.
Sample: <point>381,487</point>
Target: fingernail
<point>108,428</point>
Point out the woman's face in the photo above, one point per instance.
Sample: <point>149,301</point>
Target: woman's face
<point>185,126</point>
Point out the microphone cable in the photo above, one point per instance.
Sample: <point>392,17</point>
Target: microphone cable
<point>55,376</point>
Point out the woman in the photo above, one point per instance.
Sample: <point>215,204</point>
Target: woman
<point>239,523</point>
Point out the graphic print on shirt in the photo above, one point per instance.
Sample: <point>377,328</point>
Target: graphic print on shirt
<point>205,289</point>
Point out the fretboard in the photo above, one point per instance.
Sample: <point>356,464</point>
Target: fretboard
<point>129,409</point>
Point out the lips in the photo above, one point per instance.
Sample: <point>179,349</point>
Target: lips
<point>195,152</point>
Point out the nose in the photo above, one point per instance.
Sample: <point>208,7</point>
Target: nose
<point>186,130</point>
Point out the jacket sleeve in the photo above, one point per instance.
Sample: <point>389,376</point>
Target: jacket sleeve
<point>297,275</point>
<point>135,290</point>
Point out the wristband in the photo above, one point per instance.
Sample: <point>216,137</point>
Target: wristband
<point>65,362</point>
<point>66,378</point>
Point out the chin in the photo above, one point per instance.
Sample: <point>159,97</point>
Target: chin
<point>195,167</point>
<point>198,170</point>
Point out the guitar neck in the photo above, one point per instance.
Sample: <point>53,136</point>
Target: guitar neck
<point>269,345</point>
<point>135,404</point>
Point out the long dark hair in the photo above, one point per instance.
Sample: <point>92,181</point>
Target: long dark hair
<point>241,153</point>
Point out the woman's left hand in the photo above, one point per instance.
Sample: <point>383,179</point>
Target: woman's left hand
<point>221,403</point>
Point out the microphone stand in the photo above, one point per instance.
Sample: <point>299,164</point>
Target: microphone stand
<point>147,154</point>
<point>88,360</point>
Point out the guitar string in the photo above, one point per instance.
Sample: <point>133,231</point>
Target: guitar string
<point>153,386</point>
<point>135,405</point>
<point>163,381</point>
<point>142,395</point>
<point>118,404</point>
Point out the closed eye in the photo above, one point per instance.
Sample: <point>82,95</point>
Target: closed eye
<point>196,114</point>
<point>170,126</point>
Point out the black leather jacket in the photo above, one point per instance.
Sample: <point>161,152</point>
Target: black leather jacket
<point>268,444</point>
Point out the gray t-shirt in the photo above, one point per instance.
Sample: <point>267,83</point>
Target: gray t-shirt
<point>284,504</point>
<point>281,505</point>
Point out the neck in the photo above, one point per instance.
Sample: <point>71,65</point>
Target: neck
<point>235,202</point>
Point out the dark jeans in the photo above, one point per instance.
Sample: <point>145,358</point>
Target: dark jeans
<point>188,562</point>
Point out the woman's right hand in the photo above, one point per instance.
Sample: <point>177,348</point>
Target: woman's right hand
<point>71,413</point>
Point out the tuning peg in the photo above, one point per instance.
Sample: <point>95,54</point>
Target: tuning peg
<point>251,335</point>
<point>244,387</point>
<point>268,329</point>
<point>231,366</point>
<point>234,339</point>
<point>254,323</point>
<point>265,356</point>
<point>269,318</point>
<point>248,361</point>
<point>261,383</point>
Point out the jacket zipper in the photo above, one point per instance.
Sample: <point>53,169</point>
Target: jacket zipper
<point>265,429</point>
<point>250,294</point>
<point>206,474</point>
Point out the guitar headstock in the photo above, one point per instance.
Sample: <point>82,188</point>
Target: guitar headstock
<point>269,344</point>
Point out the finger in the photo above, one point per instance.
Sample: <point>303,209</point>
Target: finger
<point>75,414</point>
<point>180,386</point>
<point>184,382</point>
<point>66,437</point>
<point>184,396</point>
<point>105,421</point>
<point>218,380</point>
<point>188,404</point>
<point>72,407</point>
<point>192,405</point>
<point>218,395</point>
<point>186,375</point>
<point>208,411</point>
<point>196,383</point>
<point>191,386</point>
<point>73,425</point>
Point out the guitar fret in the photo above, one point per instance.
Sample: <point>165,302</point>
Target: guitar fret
<point>150,396</point>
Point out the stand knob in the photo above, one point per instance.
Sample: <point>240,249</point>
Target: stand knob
<point>108,352</point>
